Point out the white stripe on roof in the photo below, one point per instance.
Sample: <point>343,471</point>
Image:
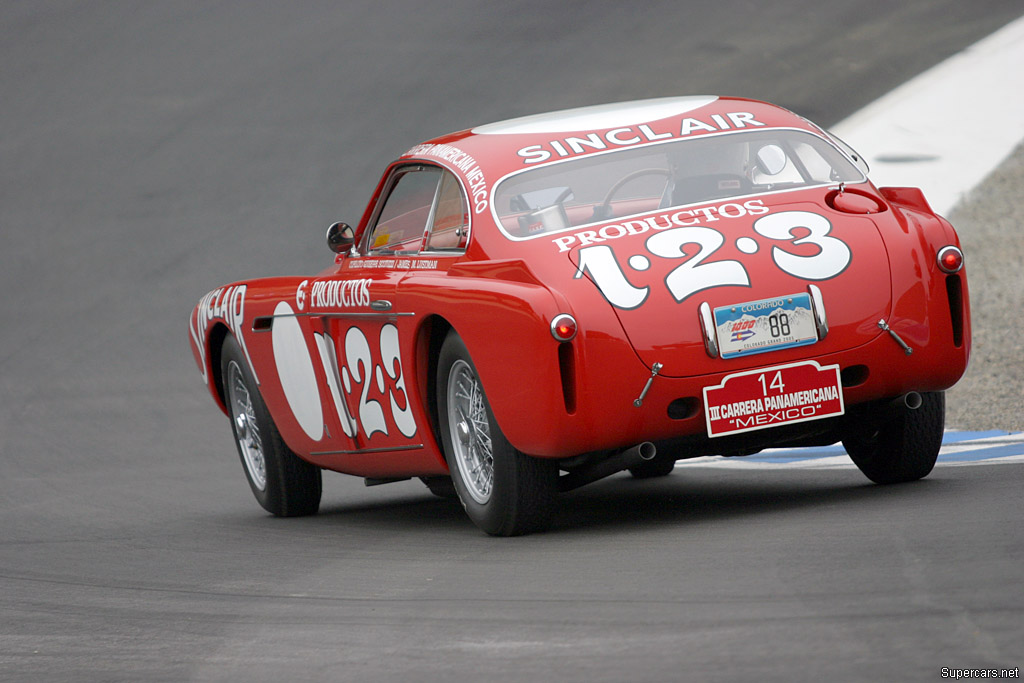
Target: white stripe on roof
<point>597,117</point>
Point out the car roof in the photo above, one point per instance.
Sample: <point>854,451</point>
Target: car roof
<point>496,149</point>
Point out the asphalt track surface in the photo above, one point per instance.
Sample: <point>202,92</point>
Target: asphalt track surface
<point>152,151</point>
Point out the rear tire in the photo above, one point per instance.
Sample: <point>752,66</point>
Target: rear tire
<point>905,446</point>
<point>504,492</point>
<point>283,484</point>
<point>652,469</point>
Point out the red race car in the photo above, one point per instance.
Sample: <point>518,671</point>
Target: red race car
<point>528,306</point>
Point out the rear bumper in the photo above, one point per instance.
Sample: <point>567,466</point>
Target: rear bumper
<point>607,416</point>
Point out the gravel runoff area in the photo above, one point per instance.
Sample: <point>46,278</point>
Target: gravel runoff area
<point>991,393</point>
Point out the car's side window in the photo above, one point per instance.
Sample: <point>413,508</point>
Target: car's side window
<point>402,221</point>
<point>449,229</point>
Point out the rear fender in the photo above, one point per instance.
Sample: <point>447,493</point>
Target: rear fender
<point>931,310</point>
<point>506,328</point>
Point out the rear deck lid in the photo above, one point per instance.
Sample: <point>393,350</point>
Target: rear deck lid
<point>741,283</point>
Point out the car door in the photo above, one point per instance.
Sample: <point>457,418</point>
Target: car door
<point>361,331</point>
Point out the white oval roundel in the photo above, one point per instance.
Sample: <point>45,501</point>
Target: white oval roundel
<point>295,370</point>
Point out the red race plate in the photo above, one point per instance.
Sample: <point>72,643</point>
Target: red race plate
<point>770,397</point>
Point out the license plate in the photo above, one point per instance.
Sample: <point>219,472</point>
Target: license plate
<point>771,397</point>
<point>765,325</point>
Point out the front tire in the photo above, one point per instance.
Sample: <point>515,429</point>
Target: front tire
<point>442,487</point>
<point>504,492</point>
<point>283,484</point>
<point>905,446</point>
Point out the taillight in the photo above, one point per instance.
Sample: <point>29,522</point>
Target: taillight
<point>563,327</point>
<point>950,259</point>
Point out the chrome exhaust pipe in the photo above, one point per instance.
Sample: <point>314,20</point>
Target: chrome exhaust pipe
<point>909,401</point>
<point>623,460</point>
<point>644,451</point>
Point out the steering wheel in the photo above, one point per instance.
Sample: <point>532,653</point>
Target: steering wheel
<point>566,193</point>
<point>604,209</point>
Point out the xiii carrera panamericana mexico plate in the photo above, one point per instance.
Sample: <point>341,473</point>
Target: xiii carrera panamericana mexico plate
<point>528,306</point>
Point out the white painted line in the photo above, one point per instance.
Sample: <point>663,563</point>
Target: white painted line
<point>984,450</point>
<point>835,462</point>
<point>947,129</point>
<point>841,462</point>
<point>1008,460</point>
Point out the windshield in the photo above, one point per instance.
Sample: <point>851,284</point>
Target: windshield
<point>626,182</point>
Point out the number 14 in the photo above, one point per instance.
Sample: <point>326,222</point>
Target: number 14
<point>776,383</point>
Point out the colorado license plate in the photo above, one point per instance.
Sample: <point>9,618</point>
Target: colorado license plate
<point>770,397</point>
<point>765,325</point>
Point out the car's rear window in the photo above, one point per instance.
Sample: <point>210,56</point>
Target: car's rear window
<point>630,181</point>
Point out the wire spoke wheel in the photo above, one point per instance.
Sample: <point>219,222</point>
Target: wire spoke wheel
<point>247,429</point>
<point>505,492</point>
<point>283,484</point>
<point>470,431</point>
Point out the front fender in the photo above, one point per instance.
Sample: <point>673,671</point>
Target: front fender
<point>231,309</point>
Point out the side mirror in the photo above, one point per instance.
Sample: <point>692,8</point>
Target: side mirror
<point>340,238</point>
<point>771,160</point>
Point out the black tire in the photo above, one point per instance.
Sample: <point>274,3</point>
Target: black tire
<point>504,492</point>
<point>652,469</point>
<point>284,484</point>
<point>905,445</point>
<point>442,487</point>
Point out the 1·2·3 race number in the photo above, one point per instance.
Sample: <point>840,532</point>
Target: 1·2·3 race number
<point>357,376</point>
<point>697,273</point>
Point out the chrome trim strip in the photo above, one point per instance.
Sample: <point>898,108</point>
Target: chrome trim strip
<point>265,323</point>
<point>341,315</point>
<point>707,326</point>
<point>361,451</point>
<point>361,315</point>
